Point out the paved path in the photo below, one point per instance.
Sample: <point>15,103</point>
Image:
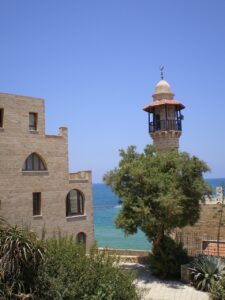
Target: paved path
<point>155,289</point>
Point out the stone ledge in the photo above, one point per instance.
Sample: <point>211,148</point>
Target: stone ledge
<point>38,217</point>
<point>128,255</point>
<point>52,136</point>
<point>76,218</point>
<point>78,181</point>
<point>35,173</point>
<point>34,131</point>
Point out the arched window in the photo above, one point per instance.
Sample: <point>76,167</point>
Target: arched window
<point>34,163</point>
<point>74,203</point>
<point>81,238</point>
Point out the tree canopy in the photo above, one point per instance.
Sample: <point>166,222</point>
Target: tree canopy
<point>158,191</point>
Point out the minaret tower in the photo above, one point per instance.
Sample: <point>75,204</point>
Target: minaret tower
<point>164,117</point>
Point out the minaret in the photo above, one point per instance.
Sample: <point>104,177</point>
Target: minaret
<point>164,117</point>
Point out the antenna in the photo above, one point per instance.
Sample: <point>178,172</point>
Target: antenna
<point>161,68</point>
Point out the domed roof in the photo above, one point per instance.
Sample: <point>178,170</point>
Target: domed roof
<point>163,96</point>
<point>163,87</point>
<point>162,91</point>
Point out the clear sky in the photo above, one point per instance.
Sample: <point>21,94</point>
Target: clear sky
<point>96,62</point>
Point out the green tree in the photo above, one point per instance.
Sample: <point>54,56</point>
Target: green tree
<point>159,191</point>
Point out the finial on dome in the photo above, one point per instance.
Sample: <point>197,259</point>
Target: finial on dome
<point>161,68</point>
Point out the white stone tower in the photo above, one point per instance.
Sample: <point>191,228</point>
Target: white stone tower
<point>164,117</point>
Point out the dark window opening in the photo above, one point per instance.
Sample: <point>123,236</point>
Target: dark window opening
<point>36,204</point>
<point>34,163</point>
<point>157,121</point>
<point>74,203</point>
<point>1,117</point>
<point>32,121</point>
<point>81,238</point>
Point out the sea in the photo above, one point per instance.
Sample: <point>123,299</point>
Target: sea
<point>106,208</point>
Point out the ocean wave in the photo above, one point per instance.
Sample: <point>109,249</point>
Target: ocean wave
<point>117,206</point>
<point>107,206</point>
<point>104,206</point>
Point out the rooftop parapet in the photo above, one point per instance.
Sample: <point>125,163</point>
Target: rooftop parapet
<point>82,176</point>
<point>63,131</point>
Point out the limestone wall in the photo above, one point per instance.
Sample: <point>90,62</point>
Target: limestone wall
<point>17,142</point>
<point>166,140</point>
<point>206,229</point>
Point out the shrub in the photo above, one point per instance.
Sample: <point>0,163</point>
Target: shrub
<point>217,290</point>
<point>20,256</point>
<point>63,272</point>
<point>68,273</point>
<point>166,258</point>
<point>205,270</point>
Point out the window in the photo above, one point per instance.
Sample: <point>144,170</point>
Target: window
<point>33,121</point>
<point>1,117</point>
<point>36,204</point>
<point>74,203</point>
<point>34,163</point>
<point>81,238</point>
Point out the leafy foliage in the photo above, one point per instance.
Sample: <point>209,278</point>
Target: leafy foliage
<point>217,290</point>
<point>159,191</point>
<point>68,273</point>
<point>205,270</point>
<point>20,256</point>
<point>166,259</point>
<point>58,268</point>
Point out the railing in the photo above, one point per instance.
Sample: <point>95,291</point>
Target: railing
<point>165,125</point>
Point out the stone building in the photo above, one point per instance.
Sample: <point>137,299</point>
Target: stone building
<point>165,127</point>
<point>36,188</point>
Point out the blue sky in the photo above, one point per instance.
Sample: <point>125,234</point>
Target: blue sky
<point>96,63</point>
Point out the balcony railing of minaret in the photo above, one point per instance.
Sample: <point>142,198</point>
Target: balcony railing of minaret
<point>165,125</point>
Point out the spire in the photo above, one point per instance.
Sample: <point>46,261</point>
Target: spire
<point>161,68</point>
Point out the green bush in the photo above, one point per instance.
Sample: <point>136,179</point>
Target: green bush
<point>166,258</point>
<point>68,273</point>
<point>217,290</point>
<point>63,272</point>
<point>20,256</point>
<point>206,270</point>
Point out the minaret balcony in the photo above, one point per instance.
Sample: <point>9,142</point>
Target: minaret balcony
<point>165,125</point>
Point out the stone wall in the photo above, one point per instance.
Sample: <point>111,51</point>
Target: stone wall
<point>206,229</point>
<point>166,140</point>
<point>127,255</point>
<point>17,142</point>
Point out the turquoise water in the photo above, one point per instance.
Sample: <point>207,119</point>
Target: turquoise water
<point>106,208</point>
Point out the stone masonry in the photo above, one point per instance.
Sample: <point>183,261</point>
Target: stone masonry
<point>17,142</point>
<point>164,140</point>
